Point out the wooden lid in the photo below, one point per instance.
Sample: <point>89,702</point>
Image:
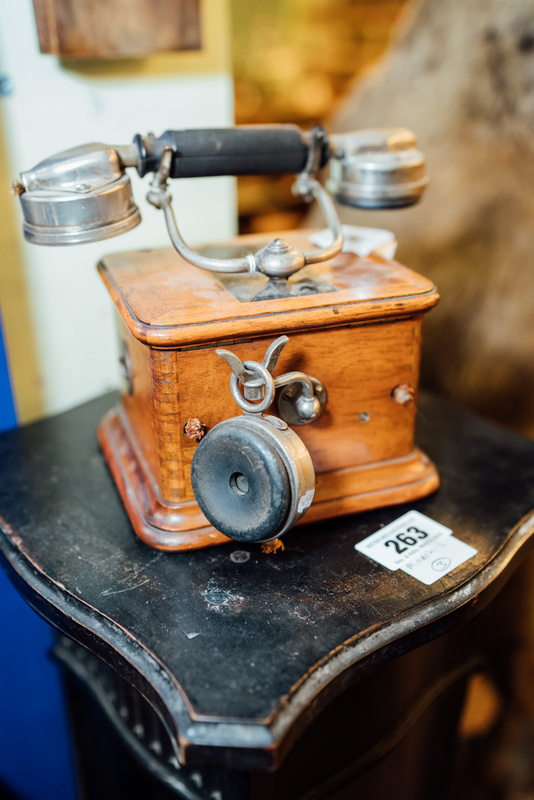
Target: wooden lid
<point>167,302</point>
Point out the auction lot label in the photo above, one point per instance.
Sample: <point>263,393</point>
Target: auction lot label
<point>417,545</point>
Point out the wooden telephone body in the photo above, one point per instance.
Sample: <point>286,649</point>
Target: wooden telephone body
<point>362,340</point>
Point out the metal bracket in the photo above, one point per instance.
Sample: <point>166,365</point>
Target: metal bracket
<point>303,399</point>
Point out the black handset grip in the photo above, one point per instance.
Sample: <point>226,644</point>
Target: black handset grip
<point>245,150</point>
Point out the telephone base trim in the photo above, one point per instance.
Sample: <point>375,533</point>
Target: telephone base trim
<point>182,526</point>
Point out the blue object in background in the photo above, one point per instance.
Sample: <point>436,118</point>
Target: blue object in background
<point>8,417</point>
<point>36,761</point>
<point>35,755</point>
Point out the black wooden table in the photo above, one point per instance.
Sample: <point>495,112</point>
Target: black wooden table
<point>228,673</point>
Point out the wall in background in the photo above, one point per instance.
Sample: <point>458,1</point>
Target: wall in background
<point>62,348</point>
<point>14,302</point>
<point>306,55</point>
<point>58,319</point>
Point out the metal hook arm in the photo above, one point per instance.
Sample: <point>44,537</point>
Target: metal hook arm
<point>277,259</point>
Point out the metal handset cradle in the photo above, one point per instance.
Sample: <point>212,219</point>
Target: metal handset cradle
<point>84,194</point>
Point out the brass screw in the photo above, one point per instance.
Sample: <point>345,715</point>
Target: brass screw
<point>194,429</point>
<point>403,393</point>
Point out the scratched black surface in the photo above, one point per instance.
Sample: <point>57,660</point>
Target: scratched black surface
<point>239,628</point>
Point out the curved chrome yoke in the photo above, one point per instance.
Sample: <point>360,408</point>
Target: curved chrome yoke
<point>277,259</point>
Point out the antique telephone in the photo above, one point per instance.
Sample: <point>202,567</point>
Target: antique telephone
<point>189,471</point>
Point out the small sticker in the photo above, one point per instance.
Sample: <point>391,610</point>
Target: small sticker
<point>418,545</point>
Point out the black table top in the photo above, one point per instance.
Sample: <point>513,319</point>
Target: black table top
<point>229,643</point>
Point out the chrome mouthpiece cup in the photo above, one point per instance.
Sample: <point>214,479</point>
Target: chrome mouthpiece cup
<point>61,218</point>
<point>81,195</point>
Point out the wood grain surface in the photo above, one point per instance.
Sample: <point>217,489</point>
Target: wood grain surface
<point>361,341</point>
<point>121,29</point>
<point>167,302</point>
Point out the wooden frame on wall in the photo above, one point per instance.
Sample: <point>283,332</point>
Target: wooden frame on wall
<point>122,29</point>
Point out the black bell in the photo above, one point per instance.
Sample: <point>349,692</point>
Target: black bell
<point>252,477</point>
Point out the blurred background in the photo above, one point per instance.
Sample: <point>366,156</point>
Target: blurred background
<point>289,61</point>
<point>305,58</point>
<point>461,75</point>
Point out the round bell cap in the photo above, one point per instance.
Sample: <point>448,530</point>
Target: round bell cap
<point>377,169</point>
<point>240,482</point>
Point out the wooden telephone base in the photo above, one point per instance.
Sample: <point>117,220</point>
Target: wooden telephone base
<point>362,340</point>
